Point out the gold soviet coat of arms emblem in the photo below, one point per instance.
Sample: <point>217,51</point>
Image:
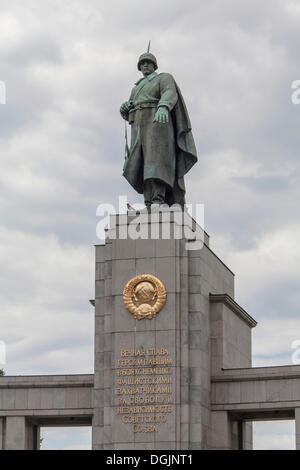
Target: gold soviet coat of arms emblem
<point>144,296</point>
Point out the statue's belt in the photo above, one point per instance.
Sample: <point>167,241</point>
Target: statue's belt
<point>139,107</point>
<point>149,104</point>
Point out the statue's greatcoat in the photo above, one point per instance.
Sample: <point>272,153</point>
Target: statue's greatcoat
<point>164,151</point>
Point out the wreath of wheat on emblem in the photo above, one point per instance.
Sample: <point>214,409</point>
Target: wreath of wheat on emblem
<point>144,296</point>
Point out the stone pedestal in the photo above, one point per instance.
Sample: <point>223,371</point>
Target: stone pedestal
<point>165,405</point>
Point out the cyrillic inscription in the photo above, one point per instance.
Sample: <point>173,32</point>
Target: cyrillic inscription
<point>144,394</point>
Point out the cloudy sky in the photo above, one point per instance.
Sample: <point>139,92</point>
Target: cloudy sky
<point>67,65</point>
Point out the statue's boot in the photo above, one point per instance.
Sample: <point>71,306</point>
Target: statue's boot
<point>154,192</point>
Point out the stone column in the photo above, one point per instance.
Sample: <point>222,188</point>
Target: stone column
<point>297,419</point>
<point>224,431</point>
<point>248,435</point>
<point>1,433</point>
<point>32,436</point>
<point>15,433</point>
<point>125,396</point>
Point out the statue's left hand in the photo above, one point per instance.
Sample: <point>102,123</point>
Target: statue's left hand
<point>162,115</point>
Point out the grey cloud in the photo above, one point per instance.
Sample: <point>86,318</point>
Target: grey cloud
<point>267,183</point>
<point>32,50</point>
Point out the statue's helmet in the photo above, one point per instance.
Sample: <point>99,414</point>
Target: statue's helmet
<point>147,56</point>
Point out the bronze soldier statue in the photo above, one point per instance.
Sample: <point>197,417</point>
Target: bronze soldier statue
<point>162,147</point>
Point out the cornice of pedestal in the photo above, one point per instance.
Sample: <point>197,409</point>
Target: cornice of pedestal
<point>234,307</point>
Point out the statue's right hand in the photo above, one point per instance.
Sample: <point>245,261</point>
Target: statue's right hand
<point>125,107</point>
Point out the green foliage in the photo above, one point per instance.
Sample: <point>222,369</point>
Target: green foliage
<point>2,372</point>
